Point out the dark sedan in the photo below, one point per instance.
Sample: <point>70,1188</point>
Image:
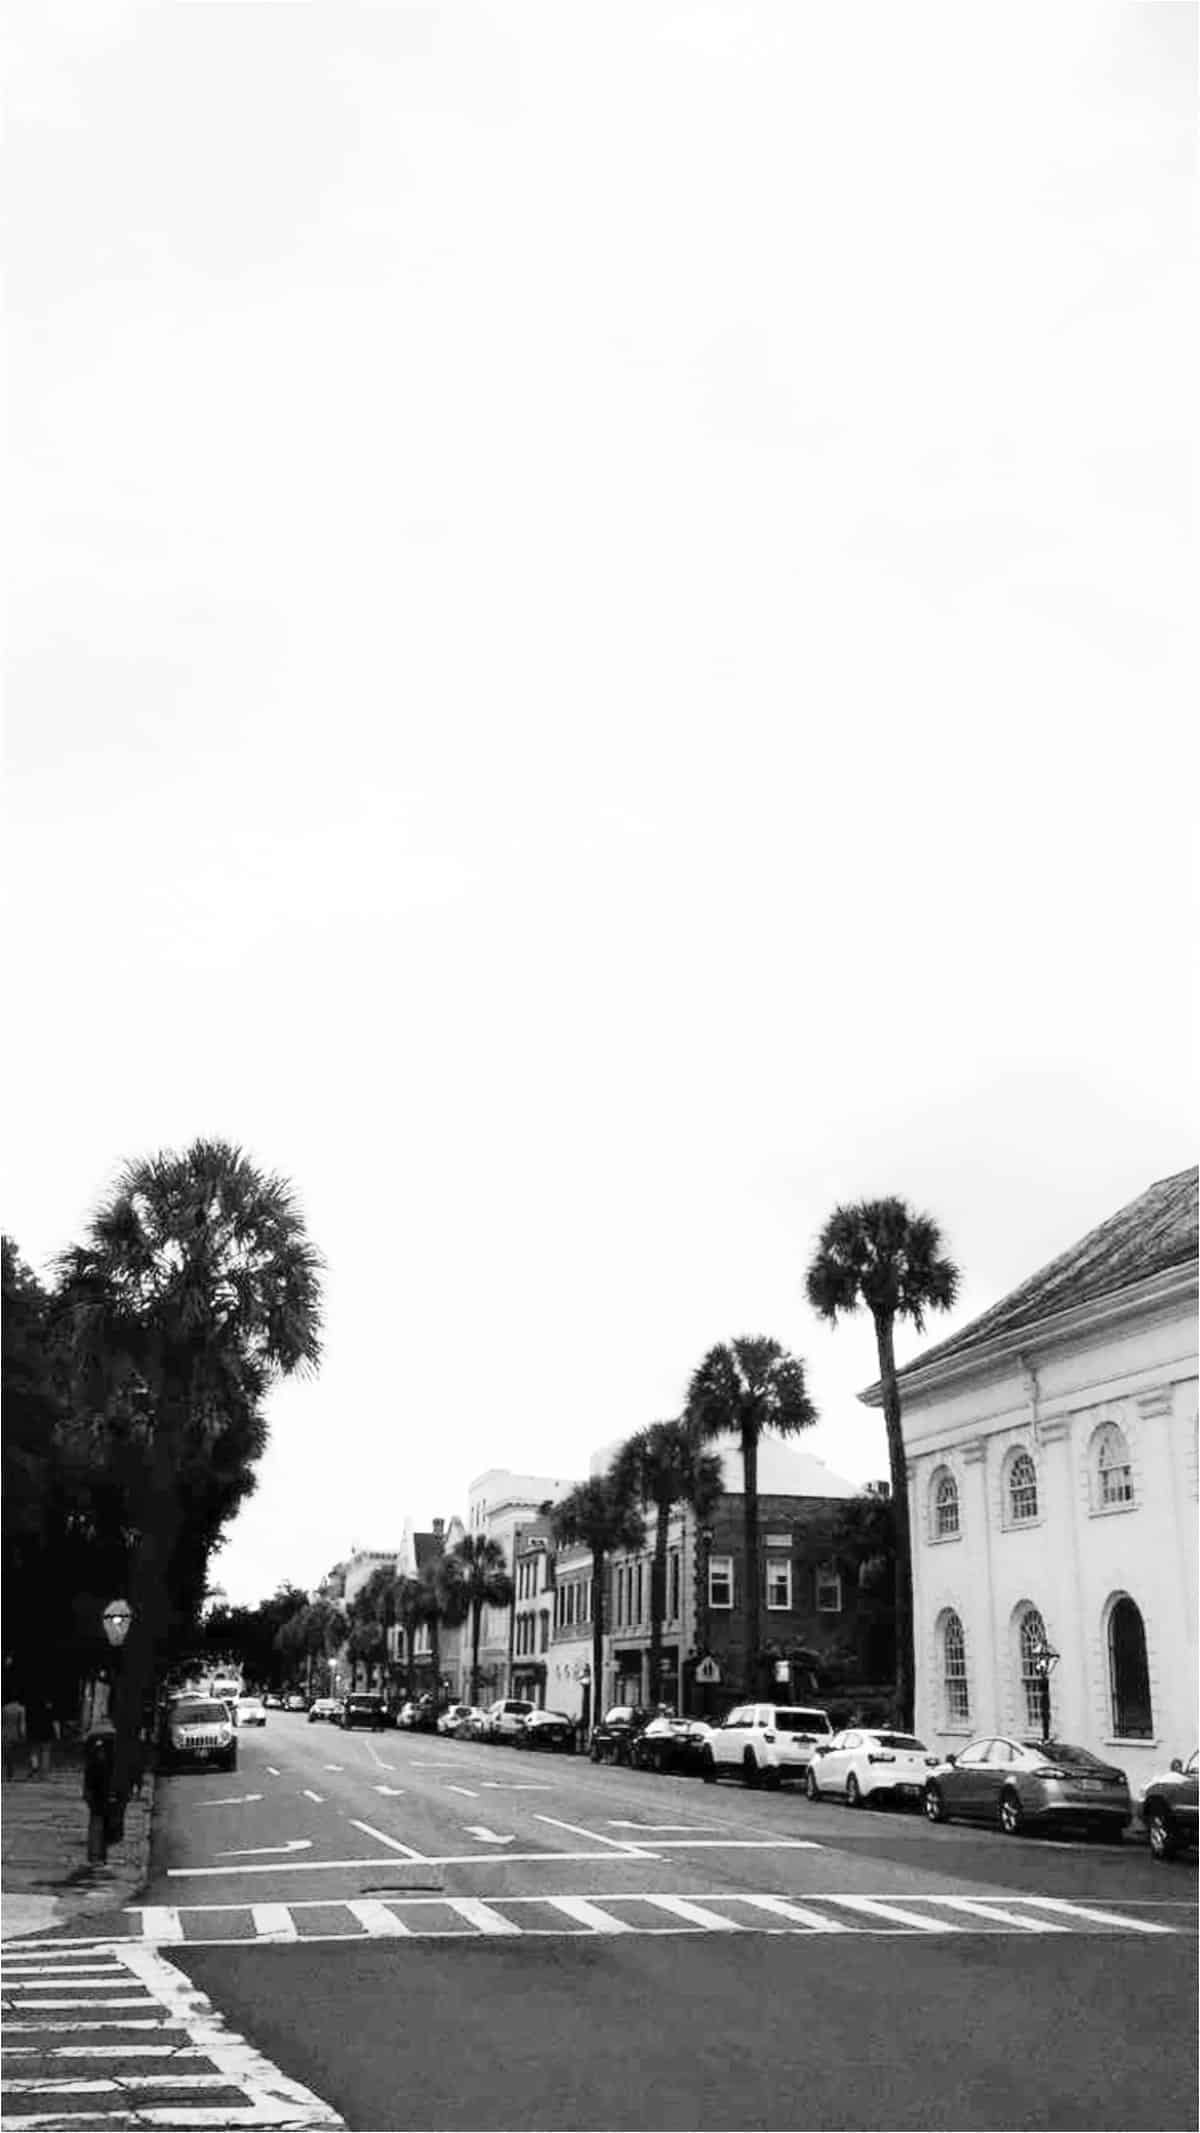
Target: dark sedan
<point>1023,1787</point>
<point>364,1711</point>
<point>547,1729</point>
<point>1169,1809</point>
<point>671,1744</point>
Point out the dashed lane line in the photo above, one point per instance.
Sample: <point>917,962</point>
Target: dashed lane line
<point>407,1851</point>
<point>318,1798</point>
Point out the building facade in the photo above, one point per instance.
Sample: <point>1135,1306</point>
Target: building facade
<point>532,1611</point>
<point>499,1502</point>
<point>1053,1481</point>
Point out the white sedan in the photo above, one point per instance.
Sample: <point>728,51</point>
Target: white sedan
<point>249,1711</point>
<point>858,1763</point>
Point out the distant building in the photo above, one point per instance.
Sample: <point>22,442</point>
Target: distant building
<point>533,1611</point>
<point>498,1502</point>
<point>1053,1480</point>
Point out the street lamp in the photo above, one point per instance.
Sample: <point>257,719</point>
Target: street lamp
<point>1043,1658</point>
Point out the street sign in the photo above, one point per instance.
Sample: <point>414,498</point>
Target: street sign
<point>707,1672</point>
<point>116,1618</point>
<point>783,1671</point>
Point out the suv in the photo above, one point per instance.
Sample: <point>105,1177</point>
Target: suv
<point>506,1718</point>
<point>1169,1810</point>
<point>765,1742</point>
<point>364,1711</point>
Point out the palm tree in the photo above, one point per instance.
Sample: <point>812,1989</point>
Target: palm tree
<point>879,1253</point>
<point>484,1582</point>
<point>600,1515</point>
<point>661,1467</point>
<point>410,1614</point>
<point>442,1591</point>
<point>195,1289</point>
<point>744,1388</point>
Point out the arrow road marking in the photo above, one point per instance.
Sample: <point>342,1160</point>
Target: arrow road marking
<point>235,1799</point>
<point>486,1836</point>
<point>263,1851</point>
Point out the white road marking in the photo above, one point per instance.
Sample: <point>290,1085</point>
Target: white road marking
<point>377,1920</point>
<point>391,1792</point>
<point>649,1829</point>
<point>274,2096</point>
<point>619,1857</point>
<point>317,1796</point>
<point>589,1914</point>
<point>376,1757</point>
<point>160,1922</point>
<point>107,2051</point>
<point>273,1921</point>
<point>875,1907</point>
<point>381,1837</point>
<point>44,2006</point>
<point>512,1785</point>
<point>480,1915</point>
<point>694,1913</point>
<point>333,1766</point>
<point>272,1771</point>
<point>737,1844</point>
<point>262,1851</point>
<point>486,1836</point>
<point>797,1913</point>
<point>975,1907</point>
<point>236,1799</point>
<point>465,1791</point>
<point>1100,1918</point>
<point>619,1844</point>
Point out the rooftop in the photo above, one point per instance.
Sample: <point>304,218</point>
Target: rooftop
<point>1155,1234</point>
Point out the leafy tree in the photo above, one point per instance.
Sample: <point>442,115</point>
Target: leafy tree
<point>412,1612</point>
<point>195,1289</point>
<point>878,1253</point>
<point>600,1515</point>
<point>746,1388</point>
<point>444,1608</point>
<point>481,1575</point>
<point>864,1542</point>
<point>660,1468</point>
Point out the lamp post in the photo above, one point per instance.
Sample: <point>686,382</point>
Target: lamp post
<point>1044,1659</point>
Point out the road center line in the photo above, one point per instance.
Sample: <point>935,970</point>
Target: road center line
<point>465,1791</point>
<point>381,1837</point>
<point>631,1851</point>
<point>317,1796</point>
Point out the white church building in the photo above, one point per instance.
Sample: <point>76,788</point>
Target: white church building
<point>1052,1462</point>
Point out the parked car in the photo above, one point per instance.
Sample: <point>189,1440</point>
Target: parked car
<point>272,1701</point>
<point>860,1765</point>
<point>296,1702</point>
<point>326,1707</point>
<point>452,1718</point>
<point>667,1744</point>
<point>1168,1809</point>
<point>1022,1787</point>
<point>613,1738</point>
<point>547,1729</point>
<point>506,1717</point>
<point>764,1743</point>
<point>364,1710</point>
<point>249,1711</point>
<point>199,1729</point>
<point>475,1724</point>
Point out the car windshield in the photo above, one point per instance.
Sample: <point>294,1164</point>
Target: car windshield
<point>801,1722</point>
<point>618,1715</point>
<point>1057,1751</point>
<point>199,1714</point>
<point>901,1740</point>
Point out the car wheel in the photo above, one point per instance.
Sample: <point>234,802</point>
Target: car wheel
<point>812,1790</point>
<point>708,1767</point>
<point>1011,1816</point>
<point>935,1805</point>
<point>1164,1842</point>
<point>853,1795</point>
<point>749,1770</point>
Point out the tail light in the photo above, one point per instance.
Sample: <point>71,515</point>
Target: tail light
<point>883,1756</point>
<point>1045,1770</point>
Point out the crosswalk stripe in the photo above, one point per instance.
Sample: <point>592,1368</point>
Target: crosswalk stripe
<point>481,1915</point>
<point>694,1913</point>
<point>161,1922</point>
<point>378,1920</point>
<point>273,1921</point>
<point>875,1907</point>
<point>974,1907</point>
<point>589,1914</point>
<point>1099,1918</point>
<point>798,1914</point>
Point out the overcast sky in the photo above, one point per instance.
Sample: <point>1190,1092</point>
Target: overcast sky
<point>598,664</point>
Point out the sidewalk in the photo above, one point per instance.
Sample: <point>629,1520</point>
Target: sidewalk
<point>45,1879</point>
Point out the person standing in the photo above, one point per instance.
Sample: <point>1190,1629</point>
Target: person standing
<point>40,1733</point>
<point>12,1721</point>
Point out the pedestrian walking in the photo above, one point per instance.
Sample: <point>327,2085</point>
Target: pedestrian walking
<point>41,1731</point>
<point>12,1720</point>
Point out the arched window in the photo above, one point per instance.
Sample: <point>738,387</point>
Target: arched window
<point>945,1504</point>
<point>954,1671</point>
<point>1022,1490</point>
<point>1129,1672</point>
<point>1032,1641</point>
<point>1114,1472</point>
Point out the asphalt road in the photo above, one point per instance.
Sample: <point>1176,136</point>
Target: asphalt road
<point>439,1934</point>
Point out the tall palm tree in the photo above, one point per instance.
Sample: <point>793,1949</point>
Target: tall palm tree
<point>442,1591</point>
<point>196,1287</point>
<point>879,1253</point>
<point>660,1468</point>
<point>745,1388</point>
<point>483,1582</point>
<point>411,1613</point>
<point>600,1515</point>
